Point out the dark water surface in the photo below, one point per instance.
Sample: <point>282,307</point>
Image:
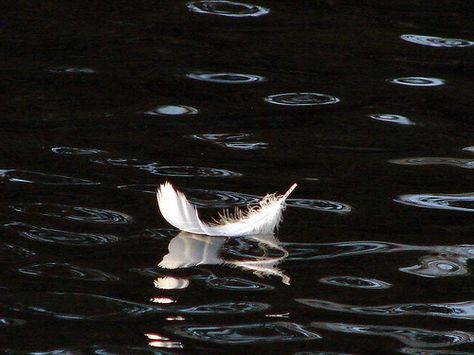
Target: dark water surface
<point>368,106</point>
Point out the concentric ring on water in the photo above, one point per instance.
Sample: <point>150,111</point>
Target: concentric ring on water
<point>453,202</point>
<point>392,118</point>
<point>172,110</point>
<point>418,81</point>
<point>77,151</point>
<point>227,8</point>
<point>432,41</point>
<point>226,78</point>
<point>301,99</point>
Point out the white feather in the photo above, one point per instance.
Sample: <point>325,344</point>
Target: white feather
<point>261,219</point>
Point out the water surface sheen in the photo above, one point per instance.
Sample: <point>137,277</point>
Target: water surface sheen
<point>367,106</point>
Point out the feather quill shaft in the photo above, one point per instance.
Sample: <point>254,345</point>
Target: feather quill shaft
<point>261,219</point>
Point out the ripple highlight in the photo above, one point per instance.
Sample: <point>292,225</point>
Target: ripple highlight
<point>77,151</point>
<point>418,81</point>
<point>452,202</point>
<point>392,118</point>
<point>172,110</point>
<point>355,282</point>
<point>74,213</point>
<point>227,8</point>
<point>301,99</point>
<point>418,161</point>
<point>33,177</point>
<point>226,78</point>
<point>439,42</point>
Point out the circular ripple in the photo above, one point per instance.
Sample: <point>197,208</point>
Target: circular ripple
<point>32,177</point>
<point>244,146</point>
<point>129,162</point>
<point>432,41</point>
<point>418,161</point>
<point>78,306</point>
<point>453,202</point>
<point>226,308</point>
<point>193,171</point>
<point>12,252</point>
<point>227,8</point>
<point>172,110</point>
<point>227,78</point>
<point>356,282</point>
<point>302,99</point>
<point>67,271</point>
<point>82,214</point>
<point>76,151</point>
<point>388,117</point>
<point>47,235</point>
<point>71,70</point>
<point>236,284</point>
<point>253,333</point>
<point>437,266</point>
<point>219,199</point>
<point>320,205</point>
<point>418,81</point>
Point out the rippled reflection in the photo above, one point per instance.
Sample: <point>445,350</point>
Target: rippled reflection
<point>192,171</point>
<point>432,41</point>
<point>233,141</point>
<point>301,99</point>
<point>462,163</point>
<point>418,81</point>
<point>469,149</point>
<point>170,283</point>
<point>46,235</point>
<point>419,351</point>
<point>225,308</point>
<point>414,337</point>
<point>74,213</point>
<point>72,70</point>
<point>459,310</point>
<point>253,333</point>
<point>172,110</point>
<point>226,78</point>
<point>434,266</point>
<point>320,205</point>
<point>355,282</point>
<point>189,250</point>
<point>13,252</point>
<point>79,306</point>
<point>67,271</point>
<point>77,151</point>
<point>159,341</point>
<point>227,8</point>
<point>453,202</point>
<point>219,199</point>
<point>391,118</point>
<point>33,177</point>
<point>236,284</point>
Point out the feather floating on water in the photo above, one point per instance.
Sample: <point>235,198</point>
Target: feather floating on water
<point>260,219</point>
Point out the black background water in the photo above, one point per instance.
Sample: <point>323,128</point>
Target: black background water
<point>103,101</point>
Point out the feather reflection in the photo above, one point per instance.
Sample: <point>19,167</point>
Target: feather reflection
<point>188,250</point>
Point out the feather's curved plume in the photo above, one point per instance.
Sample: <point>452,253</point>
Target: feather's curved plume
<point>260,219</point>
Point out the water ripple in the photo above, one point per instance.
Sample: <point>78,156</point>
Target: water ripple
<point>77,151</point>
<point>67,271</point>
<point>459,310</point>
<point>356,282</point>
<point>302,99</point>
<point>219,199</point>
<point>33,177</point>
<point>193,171</point>
<point>46,235</point>
<point>170,283</point>
<point>434,266</point>
<point>469,149</point>
<point>230,140</point>
<point>320,205</point>
<point>225,308</point>
<point>392,118</point>
<point>453,202</point>
<point>418,81</point>
<point>11,322</point>
<point>74,213</point>
<point>236,284</point>
<point>432,41</point>
<point>462,163</point>
<point>12,252</point>
<point>414,337</point>
<point>226,78</point>
<point>79,306</point>
<point>71,70</point>
<point>253,333</point>
<point>172,110</point>
<point>227,8</point>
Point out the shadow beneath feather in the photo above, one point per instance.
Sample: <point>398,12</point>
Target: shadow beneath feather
<point>259,254</point>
